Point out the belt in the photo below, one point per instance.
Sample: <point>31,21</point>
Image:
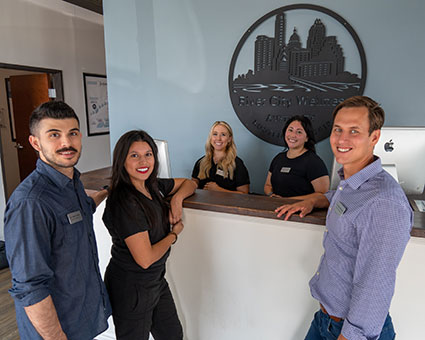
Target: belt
<point>334,318</point>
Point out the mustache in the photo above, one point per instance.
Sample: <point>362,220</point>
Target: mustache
<point>66,149</point>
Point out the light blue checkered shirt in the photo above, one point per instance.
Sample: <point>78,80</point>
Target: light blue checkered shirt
<point>367,229</point>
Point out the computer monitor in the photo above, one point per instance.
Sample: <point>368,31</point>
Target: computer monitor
<point>164,170</point>
<point>402,153</point>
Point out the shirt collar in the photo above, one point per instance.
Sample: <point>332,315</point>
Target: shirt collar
<point>363,175</point>
<point>54,175</point>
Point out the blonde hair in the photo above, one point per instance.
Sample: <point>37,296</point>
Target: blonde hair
<point>227,164</point>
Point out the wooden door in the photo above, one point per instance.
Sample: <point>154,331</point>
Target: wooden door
<point>28,92</point>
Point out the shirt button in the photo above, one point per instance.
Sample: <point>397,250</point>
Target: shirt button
<point>340,188</point>
<point>317,274</point>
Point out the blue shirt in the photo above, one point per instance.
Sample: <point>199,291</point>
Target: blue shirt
<point>367,229</point>
<point>51,248</point>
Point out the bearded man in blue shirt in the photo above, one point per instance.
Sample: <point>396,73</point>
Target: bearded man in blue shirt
<point>50,243</point>
<point>367,229</point>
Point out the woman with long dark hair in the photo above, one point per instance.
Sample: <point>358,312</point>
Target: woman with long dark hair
<point>298,171</point>
<point>138,219</point>
<point>221,169</point>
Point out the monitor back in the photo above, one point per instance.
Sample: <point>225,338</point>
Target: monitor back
<point>401,149</point>
<point>164,170</point>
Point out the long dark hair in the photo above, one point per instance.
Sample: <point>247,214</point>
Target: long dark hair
<point>308,128</point>
<point>122,190</point>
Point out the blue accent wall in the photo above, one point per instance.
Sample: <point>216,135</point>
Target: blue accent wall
<point>168,62</point>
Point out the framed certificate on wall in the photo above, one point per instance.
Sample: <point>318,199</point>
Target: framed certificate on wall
<point>96,98</point>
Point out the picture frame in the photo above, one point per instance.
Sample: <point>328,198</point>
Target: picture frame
<point>96,101</point>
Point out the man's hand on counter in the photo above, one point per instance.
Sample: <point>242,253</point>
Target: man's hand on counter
<point>315,200</point>
<point>303,207</point>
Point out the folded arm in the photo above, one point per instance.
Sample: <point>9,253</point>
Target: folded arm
<point>243,189</point>
<point>182,189</point>
<point>145,253</point>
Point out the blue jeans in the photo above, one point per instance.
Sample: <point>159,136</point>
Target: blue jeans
<point>324,328</point>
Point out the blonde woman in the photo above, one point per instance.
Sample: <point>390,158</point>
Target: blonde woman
<point>220,169</point>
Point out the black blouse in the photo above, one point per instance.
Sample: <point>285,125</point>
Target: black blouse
<point>293,176</point>
<point>122,224</point>
<point>240,175</point>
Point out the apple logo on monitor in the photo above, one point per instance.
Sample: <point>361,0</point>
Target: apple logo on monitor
<point>388,146</point>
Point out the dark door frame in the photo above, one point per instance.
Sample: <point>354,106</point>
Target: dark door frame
<point>56,78</point>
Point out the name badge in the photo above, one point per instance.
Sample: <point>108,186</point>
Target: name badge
<point>74,217</point>
<point>220,172</point>
<point>285,170</point>
<point>340,208</point>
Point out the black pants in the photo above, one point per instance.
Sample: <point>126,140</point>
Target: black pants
<point>140,308</point>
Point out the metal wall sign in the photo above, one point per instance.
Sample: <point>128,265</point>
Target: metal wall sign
<point>292,73</point>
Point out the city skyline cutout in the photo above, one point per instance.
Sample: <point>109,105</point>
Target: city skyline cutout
<point>289,79</point>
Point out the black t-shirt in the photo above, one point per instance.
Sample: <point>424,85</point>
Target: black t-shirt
<point>292,177</point>
<point>121,225</point>
<point>240,175</point>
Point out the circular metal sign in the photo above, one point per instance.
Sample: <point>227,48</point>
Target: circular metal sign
<point>287,78</point>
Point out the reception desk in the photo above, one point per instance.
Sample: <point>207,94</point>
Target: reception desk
<point>238,272</point>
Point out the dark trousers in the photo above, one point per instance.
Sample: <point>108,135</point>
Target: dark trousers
<point>140,308</point>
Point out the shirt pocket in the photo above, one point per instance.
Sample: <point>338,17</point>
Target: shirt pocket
<point>72,227</point>
<point>343,229</point>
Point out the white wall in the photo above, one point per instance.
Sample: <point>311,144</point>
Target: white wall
<point>246,278</point>
<point>57,35</point>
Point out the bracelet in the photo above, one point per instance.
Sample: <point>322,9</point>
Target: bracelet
<point>173,233</point>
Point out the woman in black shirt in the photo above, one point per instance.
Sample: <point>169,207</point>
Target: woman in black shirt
<point>138,219</point>
<point>298,171</point>
<point>220,169</point>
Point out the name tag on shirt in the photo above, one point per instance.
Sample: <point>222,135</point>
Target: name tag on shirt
<point>74,217</point>
<point>340,208</point>
<point>285,170</point>
<point>220,172</point>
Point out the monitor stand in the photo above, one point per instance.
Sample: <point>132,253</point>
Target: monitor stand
<point>392,170</point>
